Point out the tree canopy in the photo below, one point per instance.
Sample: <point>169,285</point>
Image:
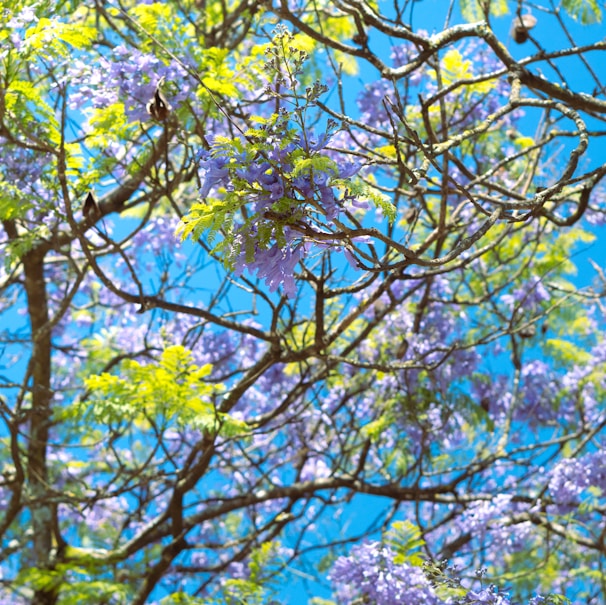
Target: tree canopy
<point>302,299</point>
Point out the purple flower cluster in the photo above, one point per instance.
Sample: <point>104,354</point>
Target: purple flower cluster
<point>128,75</point>
<point>371,100</point>
<point>276,266</point>
<point>572,478</point>
<point>25,171</point>
<point>528,297</point>
<point>546,600</point>
<point>486,596</point>
<point>584,383</point>
<point>537,404</point>
<point>369,573</point>
<point>596,212</point>
<point>548,396</point>
<point>269,174</point>
<point>487,521</point>
<point>17,25</point>
<point>279,199</point>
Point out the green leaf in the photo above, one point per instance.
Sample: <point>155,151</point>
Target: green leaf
<point>13,202</point>
<point>181,598</point>
<point>173,387</point>
<point>316,163</point>
<point>585,11</point>
<point>25,101</point>
<point>151,16</point>
<point>108,124</point>
<point>472,9</point>
<point>375,428</point>
<point>48,33</point>
<point>362,190</point>
<point>404,538</point>
<point>40,579</point>
<point>220,86</point>
<point>567,352</point>
<point>210,215</point>
<point>92,592</point>
<point>74,158</point>
<point>17,248</point>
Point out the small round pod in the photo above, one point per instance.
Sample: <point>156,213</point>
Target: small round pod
<point>521,26</point>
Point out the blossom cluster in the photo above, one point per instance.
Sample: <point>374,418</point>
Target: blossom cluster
<point>488,522</point>
<point>574,479</point>
<point>126,75</point>
<point>274,192</point>
<point>370,573</point>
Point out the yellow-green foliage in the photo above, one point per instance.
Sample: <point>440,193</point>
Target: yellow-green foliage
<point>108,123</point>
<point>404,538</point>
<point>457,69</point>
<point>182,598</point>
<point>211,215</point>
<point>26,105</point>
<point>472,10</point>
<point>585,11</point>
<point>53,35</point>
<point>172,388</point>
<point>151,16</point>
<point>14,202</point>
<point>362,191</point>
<point>73,590</point>
<point>253,590</point>
<point>20,246</point>
<point>219,77</point>
<point>566,353</point>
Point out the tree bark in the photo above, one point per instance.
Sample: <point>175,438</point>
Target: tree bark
<point>40,414</point>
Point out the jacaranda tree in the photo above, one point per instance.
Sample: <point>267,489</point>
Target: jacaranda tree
<point>289,304</point>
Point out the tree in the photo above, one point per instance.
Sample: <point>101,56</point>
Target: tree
<point>372,307</point>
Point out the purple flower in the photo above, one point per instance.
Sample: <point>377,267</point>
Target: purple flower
<point>370,102</point>
<point>369,573</point>
<point>572,477</point>
<point>486,595</point>
<point>311,143</point>
<point>529,297</point>
<point>214,171</point>
<point>347,168</point>
<point>275,265</point>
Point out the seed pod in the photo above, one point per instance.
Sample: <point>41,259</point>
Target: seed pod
<point>520,27</point>
<point>90,207</point>
<point>158,107</point>
<point>527,331</point>
<point>410,216</point>
<point>402,349</point>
